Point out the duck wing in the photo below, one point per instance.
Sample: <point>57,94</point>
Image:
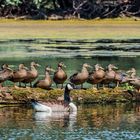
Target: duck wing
<point>73,76</point>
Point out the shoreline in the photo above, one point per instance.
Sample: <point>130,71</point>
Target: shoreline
<point>70,29</point>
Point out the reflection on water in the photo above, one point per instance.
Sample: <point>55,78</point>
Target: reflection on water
<point>106,122</point>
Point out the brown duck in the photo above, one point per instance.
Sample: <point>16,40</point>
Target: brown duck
<point>19,75</point>
<point>5,74</point>
<point>135,80</point>
<point>47,81</point>
<point>60,75</point>
<point>80,77</point>
<point>109,74</point>
<point>32,74</point>
<point>96,76</point>
<point>132,72</point>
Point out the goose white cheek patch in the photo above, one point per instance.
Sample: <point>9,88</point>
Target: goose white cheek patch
<point>69,86</point>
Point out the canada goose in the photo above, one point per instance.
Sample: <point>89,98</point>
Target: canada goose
<point>46,82</point>
<point>32,74</point>
<point>96,76</point>
<point>80,77</point>
<point>5,74</point>
<point>19,75</point>
<point>60,75</point>
<point>50,107</point>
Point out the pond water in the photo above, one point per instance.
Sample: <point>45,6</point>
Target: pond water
<point>92,122</point>
<point>123,53</point>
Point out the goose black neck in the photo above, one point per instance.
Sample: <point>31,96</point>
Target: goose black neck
<point>67,95</point>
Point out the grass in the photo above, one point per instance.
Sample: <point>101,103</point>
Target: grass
<point>70,29</point>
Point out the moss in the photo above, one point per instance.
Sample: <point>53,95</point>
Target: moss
<point>79,96</point>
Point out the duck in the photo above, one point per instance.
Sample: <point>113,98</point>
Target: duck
<point>80,77</point>
<point>32,74</point>
<point>47,81</point>
<point>135,80</point>
<point>5,74</point>
<point>19,75</point>
<point>96,76</point>
<point>60,75</point>
<point>132,72</point>
<point>121,78</point>
<point>49,107</point>
<point>109,74</point>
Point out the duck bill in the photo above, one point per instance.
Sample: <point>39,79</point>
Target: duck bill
<point>52,70</point>
<point>26,68</point>
<point>12,66</point>
<point>116,68</point>
<point>38,65</point>
<point>90,66</point>
<point>64,66</point>
<point>101,68</point>
<point>9,69</point>
<point>129,71</point>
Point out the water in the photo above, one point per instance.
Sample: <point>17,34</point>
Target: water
<point>92,122</point>
<point>123,53</point>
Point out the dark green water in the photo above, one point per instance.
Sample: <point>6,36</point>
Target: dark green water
<point>92,122</point>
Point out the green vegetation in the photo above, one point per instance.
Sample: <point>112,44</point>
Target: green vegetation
<point>80,96</point>
<point>68,9</point>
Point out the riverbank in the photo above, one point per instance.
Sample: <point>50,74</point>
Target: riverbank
<point>24,95</point>
<point>70,29</point>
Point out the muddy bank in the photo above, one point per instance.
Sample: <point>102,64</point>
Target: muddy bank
<point>23,96</point>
